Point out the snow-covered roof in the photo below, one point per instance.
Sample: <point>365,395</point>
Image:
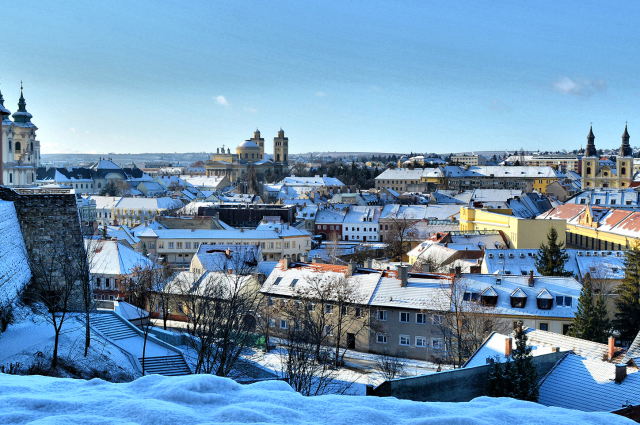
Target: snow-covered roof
<point>105,164</point>
<point>248,144</point>
<point>105,202</point>
<point>230,256</point>
<point>358,214</point>
<point>206,182</point>
<point>164,203</point>
<point>311,181</point>
<point>401,174</point>
<point>108,257</point>
<point>283,229</point>
<point>330,216</point>
<point>208,234</point>
<point>589,385</point>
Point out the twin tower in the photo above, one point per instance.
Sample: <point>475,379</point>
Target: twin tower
<point>601,175</point>
<point>280,147</point>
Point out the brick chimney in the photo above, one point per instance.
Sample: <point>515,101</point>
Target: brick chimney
<point>531,281</point>
<point>611,348</point>
<point>287,263</point>
<point>508,344</point>
<point>621,373</point>
<point>351,268</point>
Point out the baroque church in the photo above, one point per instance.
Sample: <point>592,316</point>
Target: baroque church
<point>20,151</point>
<point>595,175</point>
<point>250,153</point>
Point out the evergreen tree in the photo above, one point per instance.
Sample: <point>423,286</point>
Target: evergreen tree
<point>591,321</point>
<point>145,252</point>
<point>551,257</point>
<point>524,375</point>
<point>627,320</point>
<point>518,377</point>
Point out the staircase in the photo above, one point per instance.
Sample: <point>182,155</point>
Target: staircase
<point>165,365</point>
<point>112,326</point>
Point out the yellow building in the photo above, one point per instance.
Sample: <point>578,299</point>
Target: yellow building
<point>597,228</point>
<point>521,233</point>
<point>594,175</point>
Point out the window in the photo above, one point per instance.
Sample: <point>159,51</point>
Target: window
<point>437,319</point>
<point>283,324</point>
<point>545,303</point>
<point>152,245</point>
<point>405,340</point>
<point>287,244</point>
<point>382,315</point>
<point>170,245</point>
<point>568,301</point>
<point>404,317</point>
<point>436,343</point>
<point>178,245</point>
<point>310,306</point>
<point>328,308</point>
<point>187,245</point>
<point>277,281</point>
<point>328,330</point>
<point>344,310</point>
<point>421,318</point>
<point>293,282</point>
<point>421,342</point>
<point>160,245</point>
<point>358,312</point>
<point>381,339</point>
<point>544,326</point>
<point>565,329</point>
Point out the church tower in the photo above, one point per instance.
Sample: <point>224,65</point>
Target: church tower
<point>281,149</point>
<point>590,162</point>
<point>258,141</point>
<point>624,161</point>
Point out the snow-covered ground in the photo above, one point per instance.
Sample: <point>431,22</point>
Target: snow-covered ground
<point>30,339</point>
<point>198,399</point>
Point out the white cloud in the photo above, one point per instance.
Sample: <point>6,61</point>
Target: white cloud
<point>250,110</point>
<point>73,129</point>
<point>321,94</point>
<point>221,100</point>
<point>580,86</point>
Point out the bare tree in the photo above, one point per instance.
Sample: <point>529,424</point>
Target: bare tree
<point>141,287</point>
<point>402,230</point>
<point>222,310</point>
<point>162,295</point>
<point>55,291</point>
<point>391,366</point>
<point>466,319</point>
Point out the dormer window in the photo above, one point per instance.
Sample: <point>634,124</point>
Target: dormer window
<point>489,297</point>
<point>544,300</point>
<point>470,296</point>
<point>518,298</point>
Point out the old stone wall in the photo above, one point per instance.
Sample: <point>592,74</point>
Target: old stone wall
<point>457,385</point>
<point>14,264</point>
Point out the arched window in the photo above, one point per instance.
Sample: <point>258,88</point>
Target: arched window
<point>10,177</point>
<point>588,170</point>
<point>623,171</point>
<point>18,146</point>
<point>285,156</point>
<point>278,157</point>
<point>251,156</point>
<point>246,155</point>
<point>31,146</point>
<point>9,145</point>
<point>99,185</point>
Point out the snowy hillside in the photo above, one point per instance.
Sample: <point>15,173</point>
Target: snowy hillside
<point>14,267</point>
<point>209,399</point>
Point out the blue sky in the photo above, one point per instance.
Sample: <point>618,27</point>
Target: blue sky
<point>189,76</point>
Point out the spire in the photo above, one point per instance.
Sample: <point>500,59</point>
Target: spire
<point>625,149</point>
<point>4,112</point>
<point>21,115</point>
<point>591,146</point>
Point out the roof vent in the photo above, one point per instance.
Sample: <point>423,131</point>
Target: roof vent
<point>511,255</point>
<point>490,255</point>
<point>522,255</point>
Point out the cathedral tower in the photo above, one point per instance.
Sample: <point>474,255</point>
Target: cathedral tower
<point>281,148</point>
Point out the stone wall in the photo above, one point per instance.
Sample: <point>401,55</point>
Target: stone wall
<point>14,264</point>
<point>457,385</point>
<point>45,217</point>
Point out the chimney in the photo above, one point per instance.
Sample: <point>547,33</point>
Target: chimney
<point>507,346</point>
<point>621,373</point>
<point>368,264</point>
<point>351,268</point>
<point>403,273</point>
<point>611,348</point>
<point>316,260</point>
<point>531,278</point>
<point>287,263</point>
<point>305,257</point>
<point>458,270</point>
<point>230,271</point>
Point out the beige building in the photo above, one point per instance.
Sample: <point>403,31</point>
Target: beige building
<point>469,159</point>
<point>595,176</point>
<point>399,179</point>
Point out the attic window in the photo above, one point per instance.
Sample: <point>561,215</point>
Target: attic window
<point>564,300</point>
<point>470,296</point>
<point>518,298</point>
<point>614,270</point>
<point>293,282</point>
<point>277,281</point>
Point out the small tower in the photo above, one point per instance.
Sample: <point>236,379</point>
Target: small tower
<point>21,115</point>
<point>258,141</point>
<point>281,148</point>
<point>590,163</point>
<point>624,161</point>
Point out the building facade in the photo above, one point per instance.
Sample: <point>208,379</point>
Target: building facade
<point>596,175</point>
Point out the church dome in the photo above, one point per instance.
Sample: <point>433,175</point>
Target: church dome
<point>248,144</point>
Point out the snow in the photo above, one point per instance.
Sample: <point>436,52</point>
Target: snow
<point>210,399</point>
<point>14,264</point>
<point>113,258</point>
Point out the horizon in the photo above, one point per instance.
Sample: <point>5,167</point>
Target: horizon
<point>474,76</point>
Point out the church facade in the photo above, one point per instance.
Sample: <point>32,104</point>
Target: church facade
<point>20,149</point>
<point>250,153</point>
<point>595,175</point>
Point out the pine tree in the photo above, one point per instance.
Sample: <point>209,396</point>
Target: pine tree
<point>496,381</point>
<point>525,375</point>
<point>145,252</point>
<point>551,257</point>
<point>627,320</point>
<point>591,321</point>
